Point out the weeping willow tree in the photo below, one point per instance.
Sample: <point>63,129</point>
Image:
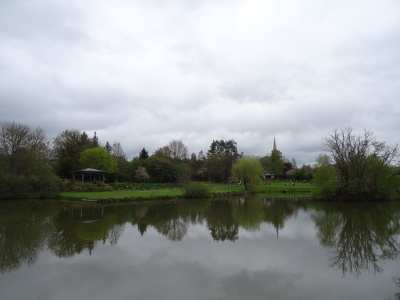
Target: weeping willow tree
<point>249,170</point>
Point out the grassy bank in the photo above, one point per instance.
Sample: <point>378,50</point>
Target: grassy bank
<point>272,188</point>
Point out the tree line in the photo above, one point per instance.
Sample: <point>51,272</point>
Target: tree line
<point>31,164</point>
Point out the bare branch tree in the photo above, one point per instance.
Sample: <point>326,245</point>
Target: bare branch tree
<point>178,150</point>
<point>15,137</point>
<point>359,160</point>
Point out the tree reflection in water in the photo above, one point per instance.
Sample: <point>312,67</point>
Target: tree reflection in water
<point>397,282</point>
<point>360,235</point>
<point>23,232</point>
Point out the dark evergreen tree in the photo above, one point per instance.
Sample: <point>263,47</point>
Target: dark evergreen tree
<point>108,147</point>
<point>143,154</point>
<point>95,140</point>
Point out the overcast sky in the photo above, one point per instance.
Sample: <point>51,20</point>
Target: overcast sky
<point>146,72</point>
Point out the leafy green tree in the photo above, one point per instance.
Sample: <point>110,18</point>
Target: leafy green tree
<point>215,166</point>
<point>161,169</point>
<point>363,166</point>
<point>220,146</point>
<point>163,152</point>
<point>24,161</point>
<point>68,147</point>
<point>220,158</point>
<point>305,173</point>
<point>98,158</point>
<point>274,163</point>
<point>325,177</point>
<point>249,170</point>
<point>196,165</point>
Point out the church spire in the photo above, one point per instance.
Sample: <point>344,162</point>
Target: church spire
<point>274,147</point>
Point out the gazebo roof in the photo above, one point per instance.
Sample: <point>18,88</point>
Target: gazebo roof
<point>90,170</point>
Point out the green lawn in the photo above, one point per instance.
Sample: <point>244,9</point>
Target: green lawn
<point>125,194</point>
<point>272,188</point>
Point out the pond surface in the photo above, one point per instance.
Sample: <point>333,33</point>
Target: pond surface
<point>236,248</point>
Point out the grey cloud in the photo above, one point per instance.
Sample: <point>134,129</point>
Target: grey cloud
<point>143,73</point>
<point>28,20</point>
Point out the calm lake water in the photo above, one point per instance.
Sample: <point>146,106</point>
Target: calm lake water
<point>236,248</point>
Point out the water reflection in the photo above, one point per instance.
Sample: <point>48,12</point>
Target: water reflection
<point>23,232</point>
<point>359,236</point>
<point>78,227</point>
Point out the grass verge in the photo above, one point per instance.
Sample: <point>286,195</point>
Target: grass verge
<point>272,188</point>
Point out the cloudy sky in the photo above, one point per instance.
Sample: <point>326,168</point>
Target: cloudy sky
<point>146,72</point>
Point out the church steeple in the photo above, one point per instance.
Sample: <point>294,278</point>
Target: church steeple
<point>274,147</point>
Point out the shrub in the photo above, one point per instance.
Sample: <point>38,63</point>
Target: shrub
<point>196,190</point>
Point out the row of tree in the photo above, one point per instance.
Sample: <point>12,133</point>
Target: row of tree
<point>72,150</point>
<point>356,166</point>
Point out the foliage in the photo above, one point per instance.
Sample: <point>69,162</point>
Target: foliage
<point>304,173</point>
<point>363,167</point>
<point>196,190</point>
<point>69,186</point>
<point>249,170</point>
<point>182,171</point>
<point>215,166</point>
<point>160,169</point>
<point>274,163</point>
<point>163,152</point>
<point>141,174</point>
<point>325,178</point>
<point>220,158</point>
<point>37,180</point>
<point>143,154</point>
<point>228,148</point>
<point>68,147</point>
<point>25,170</point>
<point>108,147</point>
<point>98,158</point>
